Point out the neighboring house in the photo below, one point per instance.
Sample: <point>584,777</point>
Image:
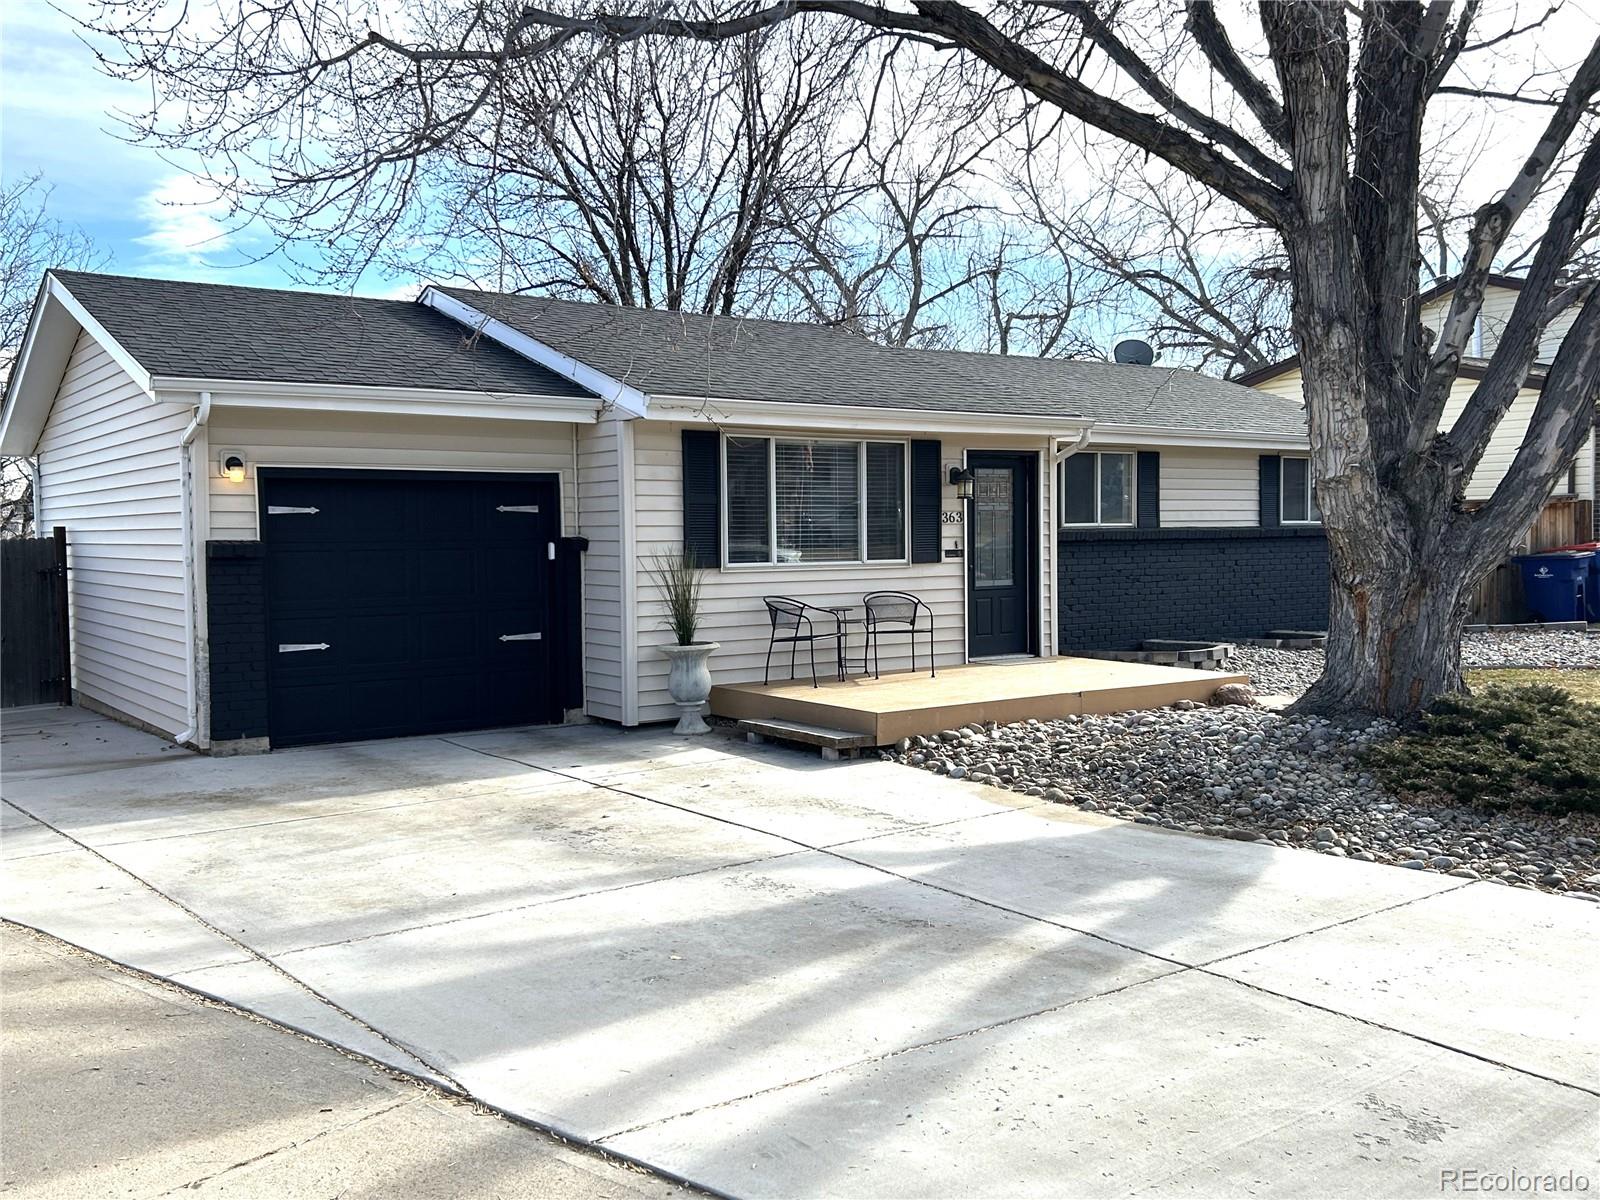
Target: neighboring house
<point>1500,296</point>
<point>297,517</point>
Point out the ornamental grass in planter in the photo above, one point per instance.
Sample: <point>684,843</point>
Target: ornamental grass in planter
<point>678,579</point>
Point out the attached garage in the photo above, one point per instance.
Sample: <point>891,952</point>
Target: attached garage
<point>409,602</point>
<point>296,518</point>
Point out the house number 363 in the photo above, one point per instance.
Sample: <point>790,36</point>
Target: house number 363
<point>950,516</point>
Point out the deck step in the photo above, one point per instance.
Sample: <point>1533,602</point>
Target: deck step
<point>834,743</point>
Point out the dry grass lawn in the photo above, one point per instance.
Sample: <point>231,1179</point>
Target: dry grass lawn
<point>1583,685</point>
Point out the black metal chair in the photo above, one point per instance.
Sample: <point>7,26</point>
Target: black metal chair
<point>897,612</point>
<point>791,622</point>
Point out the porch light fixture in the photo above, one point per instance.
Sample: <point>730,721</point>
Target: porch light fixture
<point>961,480</point>
<point>233,468</point>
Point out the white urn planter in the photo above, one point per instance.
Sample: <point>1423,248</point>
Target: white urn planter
<point>689,683</point>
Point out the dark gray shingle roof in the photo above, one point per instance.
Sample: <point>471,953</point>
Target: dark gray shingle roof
<point>219,331</point>
<point>735,358</point>
<point>1122,394</point>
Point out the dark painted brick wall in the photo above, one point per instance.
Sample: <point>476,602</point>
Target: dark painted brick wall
<point>1118,587</point>
<point>236,597</point>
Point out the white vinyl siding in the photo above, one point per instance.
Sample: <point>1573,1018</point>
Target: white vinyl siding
<point>1210,489</point>
<point>600,520</point>
<point>1493,316</point>
<point>283,438</point>
<point>731,608</point>
<point>1286,385</point>
<point>109,467</point>
<point>1507,438</point>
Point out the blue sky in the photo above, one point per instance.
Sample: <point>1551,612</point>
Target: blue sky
<point>54,121</point>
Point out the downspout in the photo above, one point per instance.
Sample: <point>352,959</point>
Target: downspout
<point>1059,453</point>
<point>31,466</point>
<point>202,413</point>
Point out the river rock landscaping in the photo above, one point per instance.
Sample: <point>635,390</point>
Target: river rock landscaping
<point>1256,775</point>
<point>1290,672</point>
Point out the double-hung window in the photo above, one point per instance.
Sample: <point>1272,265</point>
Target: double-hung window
<point>1097,489</point>
<point>814,500</point>
<point>1298,503</point>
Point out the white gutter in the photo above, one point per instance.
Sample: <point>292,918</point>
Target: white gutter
<point>782,414</point>
<point>410,401</point>
<point>193,585</point>
<point>1159,436</point>
<point>628,400</point>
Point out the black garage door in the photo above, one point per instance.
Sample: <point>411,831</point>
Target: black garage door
<point>402,603</point>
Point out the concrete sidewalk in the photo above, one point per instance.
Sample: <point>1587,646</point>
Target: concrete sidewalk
<point>118,1086</point>
<point>774,976</point>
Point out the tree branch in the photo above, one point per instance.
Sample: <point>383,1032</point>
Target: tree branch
<point>1493,224</point>
<point>971,31</point>
<point>1212,38</point>
<point>1102,35</point>
<point>1519,341</point>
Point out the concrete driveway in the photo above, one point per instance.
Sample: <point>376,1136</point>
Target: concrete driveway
<point>777,977</point>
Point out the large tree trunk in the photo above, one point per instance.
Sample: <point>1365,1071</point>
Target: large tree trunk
<point>1394,629</point>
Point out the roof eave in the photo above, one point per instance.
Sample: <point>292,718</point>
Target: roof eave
<point>1221,439</point>
<point>408,401</point>
<point>784,414</point>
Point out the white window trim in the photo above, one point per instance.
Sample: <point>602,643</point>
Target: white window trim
<point>1133,492</point>
<point>1282,491</point>
<point>773,562</point>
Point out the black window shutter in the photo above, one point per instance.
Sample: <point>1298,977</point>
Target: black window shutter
<point>927,499</point>
<point>1147,505</point>
<point>1271,478</point>
<point>702,496</point>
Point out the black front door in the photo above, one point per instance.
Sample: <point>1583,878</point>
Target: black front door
<point>402,603</point>
<point>1002,576</point>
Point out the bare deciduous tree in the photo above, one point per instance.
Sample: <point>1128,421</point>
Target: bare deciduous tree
<point>1183,266</point>
<point>1321,139</point>
<point>653,176</point>
<point>892,245</point>
<point>31,242</point>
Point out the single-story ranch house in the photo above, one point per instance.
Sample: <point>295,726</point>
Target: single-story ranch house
<point>297,517</point>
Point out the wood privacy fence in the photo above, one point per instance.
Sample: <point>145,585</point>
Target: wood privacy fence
<point>35,638</point>
<point>1498,599</point>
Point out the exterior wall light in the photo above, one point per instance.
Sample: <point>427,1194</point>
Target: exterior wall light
<point>961,479</point>
<point>233,468</point>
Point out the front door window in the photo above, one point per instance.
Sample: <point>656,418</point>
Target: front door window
<point>994,548</point>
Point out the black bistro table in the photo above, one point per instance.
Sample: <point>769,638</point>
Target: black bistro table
<point>847,617</point>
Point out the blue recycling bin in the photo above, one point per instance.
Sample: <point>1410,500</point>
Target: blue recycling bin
<point>1555,584</point>
<point>1594,576</point>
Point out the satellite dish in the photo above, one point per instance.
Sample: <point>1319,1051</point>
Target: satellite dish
<point>1134,353</point>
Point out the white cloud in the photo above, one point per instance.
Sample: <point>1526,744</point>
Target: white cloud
<point>188,220</point>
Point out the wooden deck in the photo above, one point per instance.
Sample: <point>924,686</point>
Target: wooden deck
<point>906,703</point>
